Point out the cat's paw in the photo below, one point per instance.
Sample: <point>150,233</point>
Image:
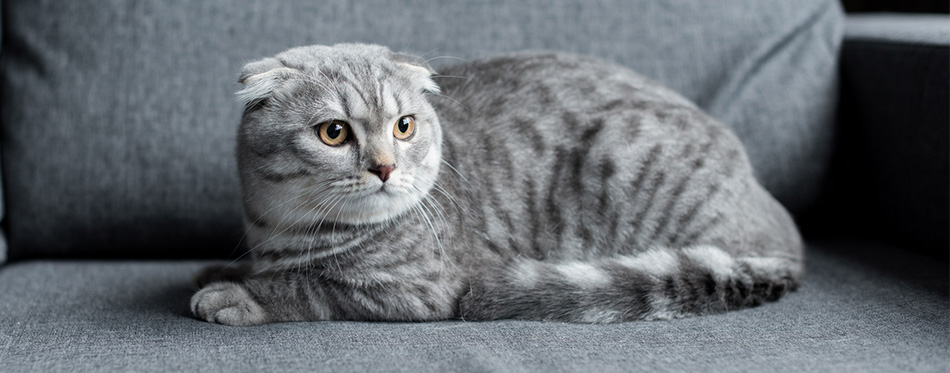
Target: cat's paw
<point>227,303</point>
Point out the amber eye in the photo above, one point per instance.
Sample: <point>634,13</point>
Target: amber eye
<point>404,127</point>
<point>333,133</point>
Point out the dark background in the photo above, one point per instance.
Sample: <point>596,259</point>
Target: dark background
<point>902,6</point>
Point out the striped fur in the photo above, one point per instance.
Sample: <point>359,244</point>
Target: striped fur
<point>536,186</point>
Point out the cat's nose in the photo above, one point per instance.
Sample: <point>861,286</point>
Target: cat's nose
<point>382,171</point>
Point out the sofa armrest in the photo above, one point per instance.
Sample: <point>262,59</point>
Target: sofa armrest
<point>891,178</point>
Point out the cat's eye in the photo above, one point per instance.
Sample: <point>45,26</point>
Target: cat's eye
<point>404,127</point>
<point>333,133</point>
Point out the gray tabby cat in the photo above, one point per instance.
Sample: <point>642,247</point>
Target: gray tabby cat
<point>532,186</point>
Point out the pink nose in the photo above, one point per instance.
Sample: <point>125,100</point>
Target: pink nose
<point>382,171</point>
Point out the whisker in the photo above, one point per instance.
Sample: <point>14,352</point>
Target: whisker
<point>425,214</point>
<point>274,232</point>
<point>319,207</point>
<point>456,172</point>
<point>447,57</point>
<point>447,97</point>
<point>247,227</point>
<point>451,76</point>
<point>430,51</point>
<point>441,190</point>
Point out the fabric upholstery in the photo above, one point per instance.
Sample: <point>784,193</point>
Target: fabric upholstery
<point>118,118</point>
<point>932,29</point>
<point>3,240</point>
<point>863,308</point>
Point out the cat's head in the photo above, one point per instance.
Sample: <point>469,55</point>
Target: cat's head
<point>337,134</point>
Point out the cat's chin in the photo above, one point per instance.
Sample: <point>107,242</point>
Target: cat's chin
<point>380,206</point>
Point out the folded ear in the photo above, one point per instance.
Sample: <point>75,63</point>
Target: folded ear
<point>261,80</point>
<point>419,68</point>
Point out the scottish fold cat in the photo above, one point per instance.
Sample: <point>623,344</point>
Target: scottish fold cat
<point>537,186</point>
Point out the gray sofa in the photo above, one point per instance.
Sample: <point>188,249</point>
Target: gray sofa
<point>118,122</point>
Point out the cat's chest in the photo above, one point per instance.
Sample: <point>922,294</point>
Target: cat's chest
<point>414,252</point>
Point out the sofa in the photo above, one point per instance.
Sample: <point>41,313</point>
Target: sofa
<point>119,182</point>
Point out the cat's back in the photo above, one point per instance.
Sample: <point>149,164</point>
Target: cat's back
<point>548,102</point>
<point>568,156</point>
<point>523,83</point>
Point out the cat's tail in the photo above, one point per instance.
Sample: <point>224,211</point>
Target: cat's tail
<point>656,284</point>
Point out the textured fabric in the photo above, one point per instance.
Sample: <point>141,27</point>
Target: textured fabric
<point>899,28</point>
<point>119,118</point>
<point>3,240</point>
<point>893,171</point>
<point>863,308</point>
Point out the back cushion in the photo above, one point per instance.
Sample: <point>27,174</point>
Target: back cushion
<point>119,119</point>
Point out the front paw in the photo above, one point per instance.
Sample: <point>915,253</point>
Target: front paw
<point>227,303</point>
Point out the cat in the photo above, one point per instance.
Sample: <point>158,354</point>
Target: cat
<point>536,186</point>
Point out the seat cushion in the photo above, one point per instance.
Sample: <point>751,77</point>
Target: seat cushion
<point>119,119</point>
<point>863,307</point>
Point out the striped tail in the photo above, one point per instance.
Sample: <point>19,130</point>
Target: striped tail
<point>656,284</point>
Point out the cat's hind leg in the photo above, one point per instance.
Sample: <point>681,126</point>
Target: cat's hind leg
<point>656,284</point>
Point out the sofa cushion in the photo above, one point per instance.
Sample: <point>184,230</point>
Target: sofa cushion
<point>3,240</point>
<point>863,307</point>
<point>914,29</point>
<point>119,120</point>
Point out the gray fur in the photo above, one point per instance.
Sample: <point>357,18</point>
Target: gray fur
<point>536,186</point>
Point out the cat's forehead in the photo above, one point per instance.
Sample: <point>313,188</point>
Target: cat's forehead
<point>358,93</point>
<point>369,101</point>
<point>354,74</point>
<point>341,61</point>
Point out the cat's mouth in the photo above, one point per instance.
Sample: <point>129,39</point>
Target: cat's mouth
<point>371,201</point>
<point>387,189</point>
